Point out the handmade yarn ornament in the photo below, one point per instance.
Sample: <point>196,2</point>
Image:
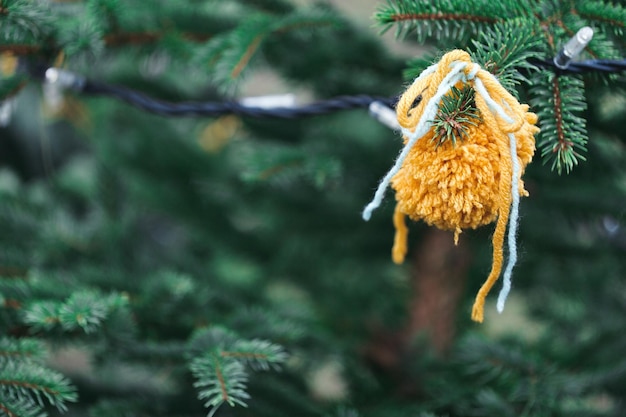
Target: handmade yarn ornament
<point>467,183</point>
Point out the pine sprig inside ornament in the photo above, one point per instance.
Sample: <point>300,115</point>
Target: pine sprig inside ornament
<point>457,184</point>
<point>457,111</point>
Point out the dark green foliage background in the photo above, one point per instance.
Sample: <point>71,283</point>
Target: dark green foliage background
<point>149,252</point>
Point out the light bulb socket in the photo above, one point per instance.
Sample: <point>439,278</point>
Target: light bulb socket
<point>573,47</point>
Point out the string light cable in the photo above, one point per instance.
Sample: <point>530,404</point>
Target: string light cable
<point>277,108</point>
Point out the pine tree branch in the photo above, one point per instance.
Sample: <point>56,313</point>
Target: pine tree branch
<point>230,54</point>
<point>563,135</point>
<point>84,309</point>
<point>42,315</point>
<point>219,365</point>
<point>563,143</point>
<point>7,410</point>
<point>27,379</point>
<point>11,407</point>
<point>506,50</point>
<point>430,17</point>
<point>220,380</point>
<point>457,110</point>
<point>611,17</point>
<point>25,348</point>
<point>441,20</point>
<point>259,354</point>
<point>246,57</point>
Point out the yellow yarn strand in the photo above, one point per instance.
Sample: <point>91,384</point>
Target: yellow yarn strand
<point>426,88</point>
<point>504,205</point>
<point>398,252</point>
<point>467,184</point>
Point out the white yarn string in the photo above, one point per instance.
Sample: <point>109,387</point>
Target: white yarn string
<point>506,281</point>
<point>424,124</point>
<point>514,216</point>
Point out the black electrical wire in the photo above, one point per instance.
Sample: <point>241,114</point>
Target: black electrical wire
<point>150,104</point>
<point>230,107</point>
<point>579,67</point>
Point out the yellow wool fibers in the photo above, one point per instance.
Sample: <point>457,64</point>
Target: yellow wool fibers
<point>466,184</point>
<point>455,186</point>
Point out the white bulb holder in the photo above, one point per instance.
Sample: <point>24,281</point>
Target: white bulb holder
<point>270,102</point>
<point>384,115</point>
<point>64,79</point>
<point>573,47</point>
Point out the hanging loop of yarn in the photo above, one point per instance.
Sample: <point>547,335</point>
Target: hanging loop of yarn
<point>467,183</point>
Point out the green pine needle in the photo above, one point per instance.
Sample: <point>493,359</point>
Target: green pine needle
<point>28,379</point>
<point>259,354</point>
<point>19,407</point>
<point>83,310</point>
<point>563,137</point>
<point>457,111</point>
<point>231,54</point>
<point>221,380</point>
<point>506,51</point>
<point>221,361</point>
<point>25,348</point>
<point>442,19</point>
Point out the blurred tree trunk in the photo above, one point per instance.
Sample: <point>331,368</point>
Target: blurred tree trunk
<point>438,280</point>
<point>438,276</point>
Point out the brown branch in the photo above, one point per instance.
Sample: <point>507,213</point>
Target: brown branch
<point>442,16</point>
<point>549,37</point>
<point>246,57</point>
<point>271,171</point>
<point>254,46</point>
<point>28,385</point>
<point>9,353</point>
<point>602,19</point>
<point>545,26</point>
<point>6,411</point>
<point>246,355</point>
<point>13,304</point>
<point>220,379</point>
<point>563,144</point>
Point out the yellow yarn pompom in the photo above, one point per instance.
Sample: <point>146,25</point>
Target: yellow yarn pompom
<point>466,184</point>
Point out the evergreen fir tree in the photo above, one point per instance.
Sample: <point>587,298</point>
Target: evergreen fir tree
<point>220,266</point>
